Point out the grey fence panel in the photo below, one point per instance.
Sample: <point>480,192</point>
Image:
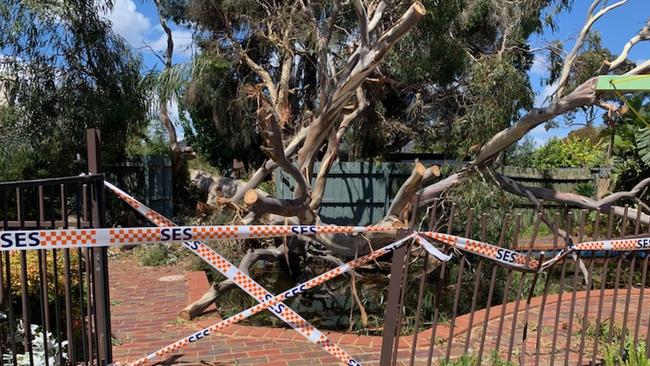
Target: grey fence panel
<point>356,193</point>
<point>149,179</point>
<point>359,193</point>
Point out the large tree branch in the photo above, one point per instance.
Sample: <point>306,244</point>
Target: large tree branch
<point>407,191</point>
<point>362,17</point>
<point>259,70</point>
<point>273,138</point>
<point>361,64</point>
<point>269,165</point>
<point>572,199</point>
<point>643,35</point>
<point>514,187</point>
<point>325,77</point>
<point>571,57</point>
<point>376,17</point>
<point>333,149</point>
<point>261,205</point>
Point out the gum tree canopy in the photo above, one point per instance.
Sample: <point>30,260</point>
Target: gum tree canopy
<point>303,77</point>
<point>62,70</point>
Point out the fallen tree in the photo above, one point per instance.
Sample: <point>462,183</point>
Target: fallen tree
<point>341,99</point>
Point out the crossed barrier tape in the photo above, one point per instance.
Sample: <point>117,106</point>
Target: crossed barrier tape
<point>275,301</point>
<point>245,282</point>
<point>191,236</point>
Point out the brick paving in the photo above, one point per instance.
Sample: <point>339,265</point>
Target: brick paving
<point>145,303</point>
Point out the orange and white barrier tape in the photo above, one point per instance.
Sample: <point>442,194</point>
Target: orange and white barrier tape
<point>84,238</point>
<point>245,282</point>
<point>621,245</point>
<point>275,302</point>
<point>501,255</point>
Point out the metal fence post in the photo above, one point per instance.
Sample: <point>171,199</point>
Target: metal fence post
<point>396,292</point>
<point>99,255</point>
<point>393,306</point>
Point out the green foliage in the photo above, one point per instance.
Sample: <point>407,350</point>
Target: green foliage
<point>154,143</point>
<point>223,122</point>
<point>568,152</point>
<point>67,72</point>
<point>495,359</point>
<point>497,91</point>
<point>631,144</point>
<point>633,354</point>
<point>155,255</point>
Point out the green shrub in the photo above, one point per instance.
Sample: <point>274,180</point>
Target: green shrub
<point>155,255</point>
<point>633,355</point>
<point>568,152</point>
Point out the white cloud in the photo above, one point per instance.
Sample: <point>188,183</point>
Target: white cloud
<point>183,42</point>
<point>139,30</point>
<point>129,23</point>
<point>540,135</point>
<point>539,66</point>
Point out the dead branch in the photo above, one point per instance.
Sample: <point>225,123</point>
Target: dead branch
<point>571,57</point>
<point>643,35</point>
<point>404,196</point>
<point>572,199</point>
<point>333,149</point>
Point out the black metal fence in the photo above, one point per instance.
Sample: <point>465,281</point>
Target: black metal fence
<point>580,311</point>
<point>53,301</point>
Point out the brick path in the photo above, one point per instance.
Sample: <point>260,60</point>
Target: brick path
<point>145,303</point>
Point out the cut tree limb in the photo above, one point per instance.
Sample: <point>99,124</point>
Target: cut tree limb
<point>219,289</point>
<point>261,205</point>
<point>404,196</point>
<point>333,149</point>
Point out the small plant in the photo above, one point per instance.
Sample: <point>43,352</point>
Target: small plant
<point>155,255</point>
<point>464,360</point>
<point>633,354</point>
<point>38,348</point>
<point>496,360</point>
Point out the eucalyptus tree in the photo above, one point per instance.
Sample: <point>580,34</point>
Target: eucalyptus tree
<point>305,77</point>
<point>64,70</point>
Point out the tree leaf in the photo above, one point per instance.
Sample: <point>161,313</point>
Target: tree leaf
<point>642,138</point>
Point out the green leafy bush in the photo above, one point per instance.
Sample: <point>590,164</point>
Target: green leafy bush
<point>568,152</point>
<point>633,355</point>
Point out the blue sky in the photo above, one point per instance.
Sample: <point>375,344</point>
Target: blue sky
<point>137,22</point>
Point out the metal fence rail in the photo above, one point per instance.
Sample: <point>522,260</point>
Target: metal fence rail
<point>53,294</point>
<point>573,313</point>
